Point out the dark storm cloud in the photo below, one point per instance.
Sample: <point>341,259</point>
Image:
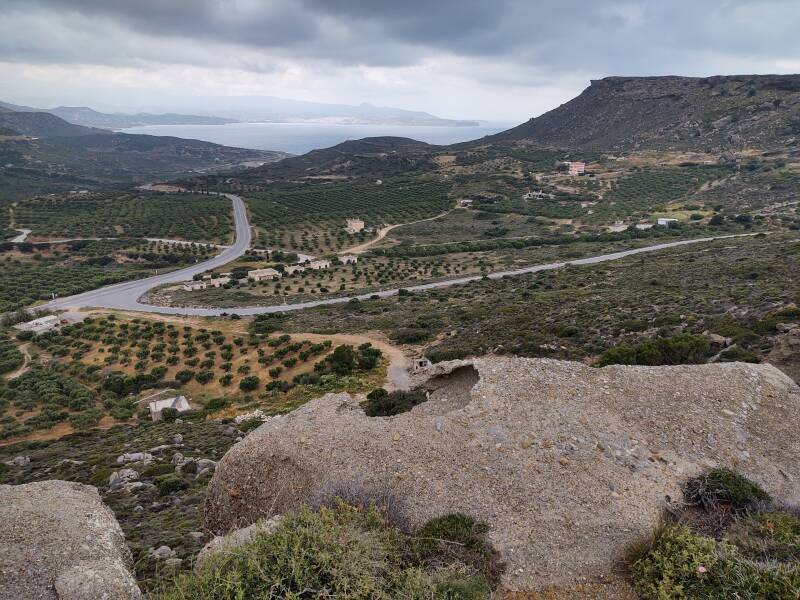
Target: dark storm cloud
<point>623,36</point>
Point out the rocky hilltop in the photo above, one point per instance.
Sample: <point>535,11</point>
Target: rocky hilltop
<point>59,541</point>
<point>568,464</point>
<point>672,113</point>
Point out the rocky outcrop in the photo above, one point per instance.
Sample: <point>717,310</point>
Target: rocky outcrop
<point>785,353</point>
<point>59,541</point>
<point>567,463</point>
<point>672,113</point>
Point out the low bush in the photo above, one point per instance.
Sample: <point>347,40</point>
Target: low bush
<point>676,350</point>
<point>381,403</point>
<point>681,565</point>
<point>768,536</point>
<point>723,486</point>
<point>338,552</point>
<point>167,484</point>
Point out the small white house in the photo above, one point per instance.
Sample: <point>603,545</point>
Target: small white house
<point>191,286</point>
<point>576,168</point>
<point>537,195</point>
<point>465,202</point>
<point>665,222</point>
<point>348,259</point>
<point>319,264</point>
<point>420,364</point>
<point>264,274</point>
<point>40,325</point>
<point>354,225</point>
<point>292,269</point>
<point>179,403</point>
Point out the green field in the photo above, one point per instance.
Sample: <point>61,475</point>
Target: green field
<point>311,217</point>
<point>31,273</point>
<point>580,312</point>
<point>111,214</point>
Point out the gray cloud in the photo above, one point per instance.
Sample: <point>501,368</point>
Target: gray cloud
<point>603,35</point>
<point>501,41</point>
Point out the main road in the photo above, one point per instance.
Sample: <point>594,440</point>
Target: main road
<point>125,296</point>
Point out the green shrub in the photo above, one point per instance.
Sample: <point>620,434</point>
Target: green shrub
<point>767,536</point>
<point>681,565</point>
<point>723,486</point>
<point>169,414</point>
<point>184,376</point>
<point>339,552</point>
<point>167,484</point>
<point>677,350</point>
<point>249,383</point>
<point>381,403</point>
<point>156,469</point>
<point>216,404</point>
<point>86,418</point>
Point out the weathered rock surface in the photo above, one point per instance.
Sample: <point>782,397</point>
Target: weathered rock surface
<point>785,354</point>
<point>222,543</point>
<point>59,541</point>
<point>568,464</point>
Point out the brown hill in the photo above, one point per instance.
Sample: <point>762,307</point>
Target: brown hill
<point>672,113</point>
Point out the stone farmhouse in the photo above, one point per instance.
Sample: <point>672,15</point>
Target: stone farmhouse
<point>348,259</point>
<point>292,269</point>
<point>576,168</point>
<point>191,286</point>
<point>318,264</point>
<point>40,325</point>
<point>264,275</point>
<point>354,225</point>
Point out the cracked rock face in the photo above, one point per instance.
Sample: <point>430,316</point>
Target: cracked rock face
<point>59,541</point>
<point>567,463</point>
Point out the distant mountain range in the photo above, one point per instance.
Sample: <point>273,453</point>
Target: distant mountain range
<point>270,108</point>
<point>222,110</point>
<point>82,115</point>
<point>41,153</point>
<point>671,113</point>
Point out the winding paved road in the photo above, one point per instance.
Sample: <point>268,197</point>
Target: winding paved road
<point>125,296</point>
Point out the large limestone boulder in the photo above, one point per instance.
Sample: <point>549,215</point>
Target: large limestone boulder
<point>59,541</point>
<point>567,463</point>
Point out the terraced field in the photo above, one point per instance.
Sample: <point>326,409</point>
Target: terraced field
<point>176,216</point>
<point>311,217</point>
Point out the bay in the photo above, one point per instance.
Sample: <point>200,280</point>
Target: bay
<point>299,138</point>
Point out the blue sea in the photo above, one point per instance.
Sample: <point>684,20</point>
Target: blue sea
<point>299,138</point>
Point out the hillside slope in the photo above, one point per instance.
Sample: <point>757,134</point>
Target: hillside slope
<point>370,157</point>
<point>672,113</point>
<point>42,124</point>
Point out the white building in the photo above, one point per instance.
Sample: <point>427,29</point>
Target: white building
<point>292,269</point>
<point>348,259</point>
<point>465,202</point>
<point>179,403</point>
<point>319,264</point>
<point>665,222</point>
<point>40,325</point>
<point>576,168</point>
<point>264,274</point>
<point>537,194</point>
<point>354,225</point>
<point>217,282</point>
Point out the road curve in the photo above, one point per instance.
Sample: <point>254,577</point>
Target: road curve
<point>124,296</point>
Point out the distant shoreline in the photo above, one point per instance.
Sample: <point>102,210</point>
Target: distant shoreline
<point>301,137</point>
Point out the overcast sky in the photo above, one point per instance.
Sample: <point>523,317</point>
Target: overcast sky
<point>503,60</point>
